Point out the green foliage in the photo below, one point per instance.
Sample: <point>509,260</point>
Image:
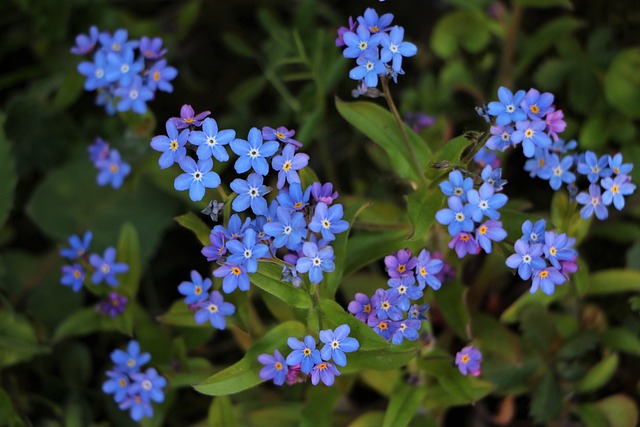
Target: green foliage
<point>622,85</point>
<point>8,177</point>
<point>546,404</point>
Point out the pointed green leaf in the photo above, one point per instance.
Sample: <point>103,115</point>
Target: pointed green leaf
<point>620,410</point>
<point>599,374</point>
<point>622,339</point>
<point>369,419</point>
<point>18,342</point>
<point>268,277</point>
<point>622,83</point>
<point>221,412</point>
<point>613,281</point>
<point>591,416</point>
<point>318,409</point>
<point>129,253</point>
<point>403,404</point>
<point>333,315</point>
<point>422,206</point>
<point>538,326</point>
<point>88,321</point>
<point>546,404</point>
<point>244,374</point>
<point>191,222</point>
<point>180,315</point>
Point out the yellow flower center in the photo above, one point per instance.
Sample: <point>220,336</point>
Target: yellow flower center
<point>174,145</point>
<point>616,170</point>
<point>77,274</point>
<point>615,189</point>
<point>280,135</point>
<point>374,29</point>
<point>401,268</point>
<point>197,290</point>
<point>156,75</point>
<point>528,133</point>
<point>423,271</point>
<point>541,162</point>
<point>483,229</point>
<point>465,237</point>
<point>534,109</point>
<point>553,251</point>
<point>297,205</point>
<point>382,326</point>
<point>286,166</point>
<point>465,359</point>
<point>306,352</point>
<point>114,168</point>
<point>322,366</point>
<point>385,305</point>
<point>278,366</point>
<point>122,382</point>
<point>544,274</point>
<point>367,308</point>
<point>236,271</point>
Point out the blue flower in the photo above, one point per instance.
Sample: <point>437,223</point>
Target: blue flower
<point>106,267</point>
<point>172,145</point>
<point>160,75</point>
<point>361,307</point>
<point>293,198</point>
<point>86,43</point>
<point>374,23</point>
<point>315,261</point>
<point>383,327</point>
<point>417,311</point>
<point>247,252</point>
<point>73,275</point>
<point>406,290</point>
<point>485,203</point>
<point>457,217</point>
<point>196,178</point>
<point>386,305</point>
<point>546,279</point>
<point>593,167</point>
<point>500,137</point>
<point>288,164</point>
<point>289,230</point>
<point>360,42</point>
<point>325,372</point>
<point>557,171</point>
<point>275,367</point>
<point>531,134</point>
<point>195,290</point>
<point>290,274</point>
<point>508,109</point>
<point>112,170</point>
<point>250,193</point>
<point>557,247</point>
<point>464,244</point>
<point>148,385</point>
<point>328,220</point>
<point>593,203</point>
<point>211,141</point>
<point>468,361</point>
<point>130,361</point>
<point>215,311</point>
<point>217,249</point>
<point>616,189</point>
<point>122,67</point>
<point>134,96</point>
<point>117,384</point>
<point>282,134</point>
<point>536,105</point>
<point>138,409</point>
<point>253,153</point>
<point>617,167</point>
<point>337,343</point>
<point>235,276</point>
<point>535,164</point>
<point>95,72</point>
<point>534,233</point>
<point>151,48</point>
<point>526,259</point>
<point>408,329</point>
<point>235,228</point>
<point>488,232</point>
<point>369,68</point>
<point>118,42</point>
<point>486,157</point>
<point>493,177</point>
<point>304,353</point>
<point>78,247</point>
<point>457,185</point>
<point>394,48</point>
<point>426,270</point>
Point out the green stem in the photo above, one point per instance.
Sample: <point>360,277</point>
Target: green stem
<point>405,138</point>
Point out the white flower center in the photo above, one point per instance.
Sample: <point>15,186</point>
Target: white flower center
<point>457,191</point>
<point>526,259</point>
<point>146,384</point>
<point>253,192</point>
<point>459,217</point>
<point>247,253</point>
<point>211,141</point>
<point>369,66</point>
<point>212,308</point>
<point>253,153</point>
<point>557,171</point>
<point>99,73</point>
<point>133,94</point>
<point>393,48</point>
<point>287,230</point>
<point>510,108</point>
<point>124,68</point>
<point>197,175</point>
<point>316,261</point>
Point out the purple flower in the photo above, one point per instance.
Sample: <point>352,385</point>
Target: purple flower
<point>419,121</point>
<point>195,290</point>
<point>323,192</point>
<point>196,178</point>
<point>557,247</point>
<point>324,372</point>
<point>616,189</point>
<point>250,194</point>
<point>593,203</point>
<point>385,328</point>
<point>73,275</point>
<point>486,157</point>
<point>112,170</point>
<point>113,305</point>
<point>394,48</point>
<point>427,269</point>
<point>281,134</point>
<point>501,137</point>
<point>400,263</point>
<point>210,141</point>
<point>536,105</point>
<point>253,153</point>
<point>275,367</point>
<point>151,48</point>
<point>386,305</point>
<point>172,145</point>
<point>369,67</point>
<point>160,75</point>
<point>99,150</point>
<point>290,274</point>
<point>508,109</point>
<point>86,43</point>
<point>235,276</point>
<point>315,261</point>
<point>488,232</point>
<point>188,117</point>
<point>361,307</point>
<point>106,267</point>
<point>546,279</point>
<point>214,310</point>
<point>295,376</point>
<point>468,360</point>
<point>464,244</point>
<point>531,134</point>
<point>78,247</point>
<point>555,123</point>
<point>304,353</point>
<point>118,42</point>
<point>526,259</point>
<point>352,27</point>
<point>337,343</point>
<point>217,248</point>
<point>457,185</point>
<point>133,97</point>
<point>288,164</point>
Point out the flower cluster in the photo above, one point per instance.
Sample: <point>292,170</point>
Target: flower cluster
<point>208,307</point>
<point>133,389</point>
<point>102,268</point>
<point>301,222</point>
<point>545,256</point>
<point>113,305</point>
<point>306,360</point>
<point>468,360</point>
<point>125,73</point>
<point>111,169</point>
<point>377,47</point>
<point>468,208</point>
<point>389,312</point>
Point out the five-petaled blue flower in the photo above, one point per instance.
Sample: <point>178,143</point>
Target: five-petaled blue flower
<point>534,233</point>
<point>248,251</point>
<point>315,261</point>
<point>304,353</point>
<point>370,66</point>
<point>131,360</point>
<point>616,189</point>
<point>235,276</point>
<point>250,193</point>
<point>457,185</point>
<point>557,171</point>
<point>253,152</point>
<point>426,270</point>
<point>394,48</point>
<point>73,275</point>
<point>106,267</point>
<point>275,367</point>
<point>289,230</point>
<point>112,170</point>
<point>78,247</point>
<point>508,109</point>
<point>490,231</point>
<point>485,202</point>
<point>214,310</point>
<point>526,259</point>
<point>458,217</point>
<point>592,203</point>
<point>532,135</point>
<point>211,141</point>
<point>328,220</point>
<point>172,145</point>
<point>325,372</point>
<point>288,164</point>
<point>546,279</point>
<point>148,385</point>
<point>337,343</point>
<point>593,167</point>
<point>196,290</point>
<point>196,178</point>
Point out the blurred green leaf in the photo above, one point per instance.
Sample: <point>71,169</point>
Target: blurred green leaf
<point>493,337</point>
<point>87,321</point>
<point>594,133</point>
<point>613,281</point>
<point>620,410</point>
<point>622,339</point>
<point>450,300</point>
<point>622,83</point>
<point>8,415</point>
<point>510,378</point>
<point>180,315</point>
<point>221,412</point>
<point>187,16</point>
<point>8,177</point>
<point>18,342</point>
<point>244,374</point>
<point>403,404</point>
<point>422,206</point>
<point>193,223</point>
<point>369,419</point>
<point>591,416</point>
<point>459,29</point>
<point>545,3</point>
<point>365,248</point>
<point>70,90</point>
<point>599,374</point>
<point>379,125</point>
<point>546,404</point>
<point>75,362</point>
<point>510,315</point>
<point>246,91</point>
<point>238,46</point>
<point>318,409</point>
<point>268,278</point>
<point>579,345</point>
<point>129,253</point>
<point>581,277</point>
<point>538,326</point>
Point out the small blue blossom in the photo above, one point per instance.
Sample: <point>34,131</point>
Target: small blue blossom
<point>617,167</point>
<point>250,194</point>
<point>172,145</point>
<point>130,361</point>
<point>138,409</point>
<point>386,304</point>
<point>394,48</point>
<point>592,203</point>
<point>122,67</point>
<point>417,311</point>
<point>281,134</point>
<point>95,72</point>
<point>196,290</point>
<point>535,164</point>
<point>112,170</point>
<point>593,167</point>
<point>426,270</point>
<point>106,267</point>
<point>337,343</point>
<point>235,228</point>
<point>315,261</point>
<point>616,189</point>
<point>531,134</point>
<point>275,367</point>
<point>370,66</point>
<point>493,177</point>
<point>457,185</point>
<point>217,249</point>
<point>73,275</point>
<point>118,42</point>
<point>490,231</point>
<point>526,259</point>
<point>151,48</point>
<point>546,279</point>
<point>160,74</point>
<point>86,43</point>
<point>468,361</point>
<point>328,221</point>
<point>536,105</point>
<point>557,171</point>
<point>486,157</point>
<point>464,243</point>
<point>408,329</point>
<point>406,290</point>
<point>214,310</point>
<point>293,198</point>
<point>247,252</point>
<point>534,233</point>
<point>234,277</point>
<point>485,202</point>
<point>288,164</point>
<point>148,385</point>
<point>359,42</point>
<point>211,141</point>
<point>134,96</point>
<point>79,247</point>
<point>117,384</point>
<point>325,372</point>
<point>557,247</point>
<point>289,230</point>
<point>304,353</point>
<point>196,178</point>
<point>373,23</point>
<point>383,327</point>
<point>500,138</point>
<point>508,109</point>
<point>457,217</point>
<point>253,153</point>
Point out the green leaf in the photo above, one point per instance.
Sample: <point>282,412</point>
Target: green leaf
<point>622,83</point>
<point>538,326</point>
<point>70,89</point>
<point>8,177</point>
<point>613,281</point>
<point>579,345</point>
<point>333,315</point>
<point>581,277</point>
<point>180,315</point>
<point>191,222</point>
<point>18,342</point>
<point>88,321</point>
<point>244,374</point>
<point>369,419</point>
<point>318,409</point>
<point>459,29</point>
<point>129,253</point>
<point>594,133</point>
<point>546,404</point>
<point>330,285</point>
<point>248,90</point>
<point>510,315</point>
<point>268,277</point>
<point>493,337</point>
<point>422,206</point>
<point>591,416</point>
<point>238,46</point>
<point>599,374</point>
<point>450,299</point>
<point>620,410</point>
<point>545,3</point>
<point>380,126</point>
<point>622,339</point>
<point>221,412</point>
<point>403,404</point>
<point>365,248</point>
